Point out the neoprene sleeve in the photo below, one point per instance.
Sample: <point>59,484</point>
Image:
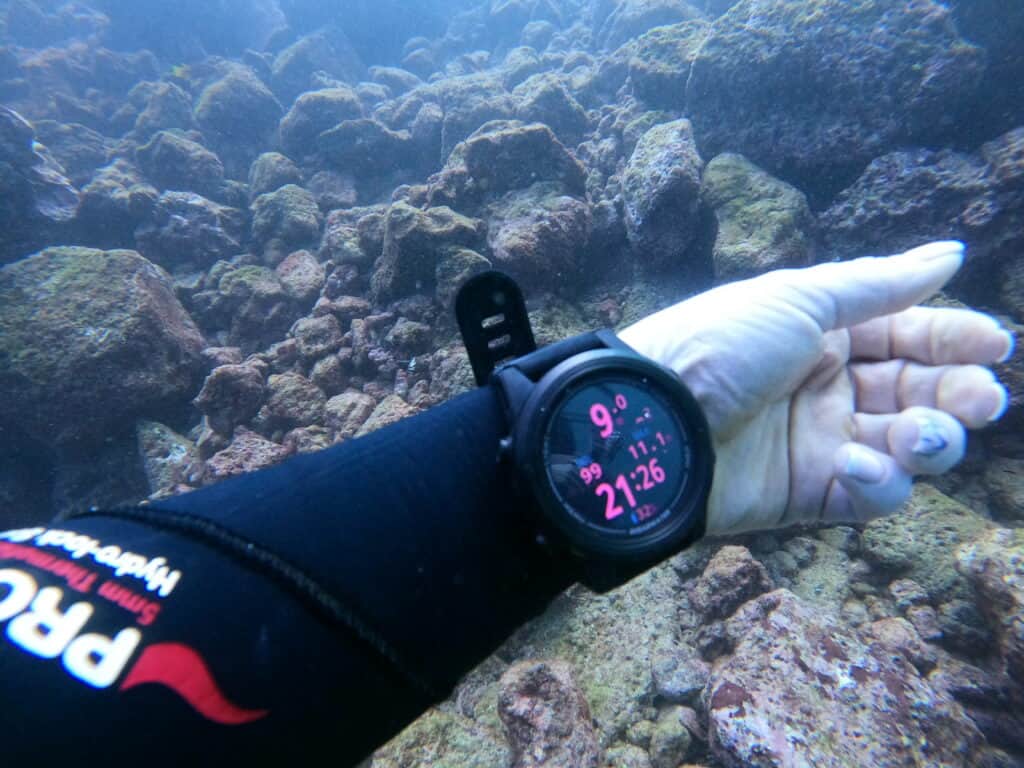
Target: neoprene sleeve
<point>312,609</point>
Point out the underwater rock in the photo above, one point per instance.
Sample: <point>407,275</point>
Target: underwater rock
<point>175,162</point>
<point>763,223</point>
<point>238,105</point>
<point>443,737</point>
<point>543,98</point>
<point>288,215</point>
<point>114,204</point>
<point>333,190</point>
<point>231,395</point>
<point>364,147</point>
<point>186,229</point>
<point>247,452</point>
<point>397,80</point>
<point>661,196</point>
<point>904,198</point>
<point>170,461</point>
<point>1004,479</point>
<point>631,18</point>
<point>90,339</point>
<point>313,113</point>
<point>899,636</point>
<point>469,102</point>
<point>454,267</point>
<point>390,410</point>
<point>345,413</point>
<point>503,156</point>
<point>546,717</point>
<point>539,236</point>
<point>341,242</point>
<point>679,674</point>
<point>36,200</point>
<point>78,149</point>
<point>316,336</point>
<point>995,567</point>
<point>271,171</point>
<point>659,65</point>
<point>292,401</point>
<point>670,739</point>
<point>800,688</point>
<point>832,83</point>
<point>519,64</point>
<point>327,50</point>
<point>302,276</point>
<point>414,240</point>
<point>153,107</point>
<point>920,541</point>
<point>409,337</point>
<point>731,578</point>
<point>258,309</point>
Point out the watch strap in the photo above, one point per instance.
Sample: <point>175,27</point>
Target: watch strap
<point>493,321</point>
<point>540,361</point>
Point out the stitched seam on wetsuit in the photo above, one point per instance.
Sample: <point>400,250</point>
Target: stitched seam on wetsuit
<point>264,561</point>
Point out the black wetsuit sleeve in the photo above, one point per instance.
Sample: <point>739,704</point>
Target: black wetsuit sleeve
<point>313,608</point>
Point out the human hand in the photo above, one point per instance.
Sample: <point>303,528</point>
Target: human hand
<point>825,388</point>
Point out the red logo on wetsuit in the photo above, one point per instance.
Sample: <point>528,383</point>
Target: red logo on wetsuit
<point>37,624</point>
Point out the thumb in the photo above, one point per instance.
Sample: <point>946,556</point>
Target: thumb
<point>870,484</point>
<point>841,294</point>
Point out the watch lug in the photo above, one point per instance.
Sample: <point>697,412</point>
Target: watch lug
<point>516,389</point>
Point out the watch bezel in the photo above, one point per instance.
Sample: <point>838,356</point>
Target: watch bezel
<point>687,523</point>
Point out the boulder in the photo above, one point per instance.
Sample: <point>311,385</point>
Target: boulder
<point>171,461</point>
<point>539,236</point>
<point>238,107</point>
<point>255,305</point>
<point>397,80</point>
<point>454,267</point>
<point>288,215</point>
<point>731,578</point>
<point>995,567</point>
<point>414,240</point>
<point>390,410</point>
<point>79,150</point>
<point>661,197</point>
<point>153,107</point>
<point>188,230</point>
<point>231,395</point>
<point>327,50</point>
<point>317,337</point>
<point>292,401</point>
<point>543,98</point>
<point>503,156</point>
<point>114,204</point>
<point>271,171</point>
<point>173,161</point>
<point>832,84</point>
<point>763,223</point>
<point>91,340</point>
<point>247,452</point>
<point>313,113</point>
<point>333,190</point>
<point>546,717</point>
<point>800,689</point>
<point>346,413</point>
<point>659,65</point>
<point>364,147</point>
<point>631,18</point>
<point>302,276</point>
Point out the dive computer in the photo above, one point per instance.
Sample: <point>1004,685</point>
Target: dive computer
<point>612,449</point>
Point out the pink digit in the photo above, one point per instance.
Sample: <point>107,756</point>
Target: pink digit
<point>585,474</point>
<point>595,471</point>
<point>620,402</point>
<point>602,419</point>
<point>611,509</point>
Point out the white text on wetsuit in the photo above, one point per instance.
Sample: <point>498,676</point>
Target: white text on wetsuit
<point>155,572</point>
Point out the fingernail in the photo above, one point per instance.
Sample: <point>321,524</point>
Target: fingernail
<point>1009,347</point>
<point>931,438</point>
<point>1004,403</point>
<point>862,465</point>
<point>932,251</point>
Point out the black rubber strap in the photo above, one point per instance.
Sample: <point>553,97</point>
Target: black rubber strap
<point>492,318</point>
<point>539,362</point>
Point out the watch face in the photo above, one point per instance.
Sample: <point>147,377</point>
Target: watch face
<point>616,454</point>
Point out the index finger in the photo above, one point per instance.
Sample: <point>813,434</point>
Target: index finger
<point>933,336</point>
<point>844,293</point>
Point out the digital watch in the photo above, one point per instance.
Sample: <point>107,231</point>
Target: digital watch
<point>612,448</point>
